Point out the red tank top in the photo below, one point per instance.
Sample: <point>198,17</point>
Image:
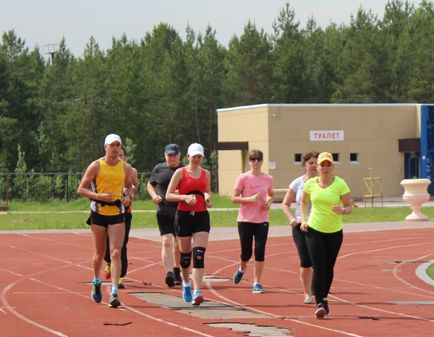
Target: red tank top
<point>190,185</point>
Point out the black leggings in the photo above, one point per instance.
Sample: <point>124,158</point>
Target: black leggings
<point>124,257</point>
<point>299,238</point>
<point>248,230</point>
<point>323,249</point>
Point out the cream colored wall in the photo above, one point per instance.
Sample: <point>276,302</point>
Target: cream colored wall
<point>240,125</point>
<point>370,130</point>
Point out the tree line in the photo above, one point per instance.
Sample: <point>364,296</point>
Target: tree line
<point>55,113</point>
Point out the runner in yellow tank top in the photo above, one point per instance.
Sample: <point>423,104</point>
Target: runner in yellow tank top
<point>103,183</point>
<point>110,179</point>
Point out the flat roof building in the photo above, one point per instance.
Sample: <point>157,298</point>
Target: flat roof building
<point>390,142</point>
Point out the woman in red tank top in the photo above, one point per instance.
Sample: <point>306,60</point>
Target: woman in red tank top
<point>190,187</point>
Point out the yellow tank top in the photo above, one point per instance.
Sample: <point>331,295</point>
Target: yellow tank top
<point>110,179</point>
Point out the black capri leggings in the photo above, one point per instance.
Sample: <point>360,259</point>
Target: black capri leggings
<point>249,230</point>
<point>299,238</point>
<point>324,249</point>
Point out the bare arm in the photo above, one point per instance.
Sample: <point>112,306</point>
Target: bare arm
<point>237,198</point>
<point>207,194</point>
<point>347,207</point>
<point>84,187</point>
<point>304,204</point>
<point>286,204</point>
<point>153,193</point>
<point>128,185</point>
<point>269,198</point>
<point>135,178</point>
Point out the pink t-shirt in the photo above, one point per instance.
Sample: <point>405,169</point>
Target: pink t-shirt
<point>249,184</point>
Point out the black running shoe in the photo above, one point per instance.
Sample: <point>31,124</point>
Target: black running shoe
<point>320,312</point>
<point>326,307</point>
<point>170,279</point>
<point>114,300</point>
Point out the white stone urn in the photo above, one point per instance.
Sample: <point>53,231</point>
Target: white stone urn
<point>415,193</point>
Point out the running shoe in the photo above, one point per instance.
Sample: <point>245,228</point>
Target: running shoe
<point>107,272</point>
<point>121,284</point>
<point>258,289</point>
<point>186,293</point>
<point>197,297</point>
<point>326,307</point>
<point>114,300</point>
<point>177,274</point>
<point>320,311</point>
<point>96,293</point>
<point>238,276</point>
<point>170,279</point>
<point>308,299</point>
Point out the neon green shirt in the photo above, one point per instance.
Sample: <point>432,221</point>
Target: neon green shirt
<point>321,217</point>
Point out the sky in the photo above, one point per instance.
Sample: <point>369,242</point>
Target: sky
<point>44,22</point>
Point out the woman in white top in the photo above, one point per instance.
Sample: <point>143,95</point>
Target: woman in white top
<point>295,194</point>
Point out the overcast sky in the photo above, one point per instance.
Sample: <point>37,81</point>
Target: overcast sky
<point>41,22</point>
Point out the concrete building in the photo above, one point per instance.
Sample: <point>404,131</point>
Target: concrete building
<point>386,142</point>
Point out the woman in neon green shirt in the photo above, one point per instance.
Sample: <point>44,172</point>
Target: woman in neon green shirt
<point>330,198</point>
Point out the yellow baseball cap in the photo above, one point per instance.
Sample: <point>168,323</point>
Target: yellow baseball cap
<point>325,156</point>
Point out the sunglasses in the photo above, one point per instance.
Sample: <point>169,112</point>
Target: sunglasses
<point>255,159</point>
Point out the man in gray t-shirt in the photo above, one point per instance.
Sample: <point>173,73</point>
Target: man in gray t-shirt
<point>157,187</point>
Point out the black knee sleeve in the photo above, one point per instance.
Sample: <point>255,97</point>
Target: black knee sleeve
<point>185,260</point>
<point>198,257</point>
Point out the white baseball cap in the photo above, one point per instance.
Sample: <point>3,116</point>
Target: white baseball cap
<point>111,138</point>
<point>195,149</point>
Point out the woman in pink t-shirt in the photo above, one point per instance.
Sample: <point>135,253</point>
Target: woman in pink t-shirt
<point>254,192</point>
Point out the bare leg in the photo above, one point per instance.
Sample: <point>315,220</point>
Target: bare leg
<point>176,253</point>
<point>184,244</point>
<point>243,265</point>
<point>167,252</point>
<point>99,244</point>
<point>200,239</point>
<point>306,280</point>
<point>116,233</point>
<point>259,267</point>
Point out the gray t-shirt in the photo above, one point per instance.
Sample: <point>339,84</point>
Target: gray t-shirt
<point>160,179</point>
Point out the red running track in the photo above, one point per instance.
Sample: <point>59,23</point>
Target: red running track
<point>45,290</point>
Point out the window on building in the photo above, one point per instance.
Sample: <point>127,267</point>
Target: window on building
<point>297,158</point>
<point>335,157</point>
<point>354,157</point>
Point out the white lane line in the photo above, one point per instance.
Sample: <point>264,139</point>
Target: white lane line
<point>22,317</point>
<point>128,308</point>
<point>244,306</point>
<point>65,264</point>
<point>421,272</point>
<point>400,279</point>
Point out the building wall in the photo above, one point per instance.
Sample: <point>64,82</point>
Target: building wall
<point>282,130</point>
<point>241,124</point>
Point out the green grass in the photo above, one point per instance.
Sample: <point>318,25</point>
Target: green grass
<point>73,215</point>
<point>83,205</point>
<point>430,271</point>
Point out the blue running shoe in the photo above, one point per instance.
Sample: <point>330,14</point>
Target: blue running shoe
<point>186,293</point>
<point>96,292</point>
<point>238,276</point>
<point>258,289</point>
